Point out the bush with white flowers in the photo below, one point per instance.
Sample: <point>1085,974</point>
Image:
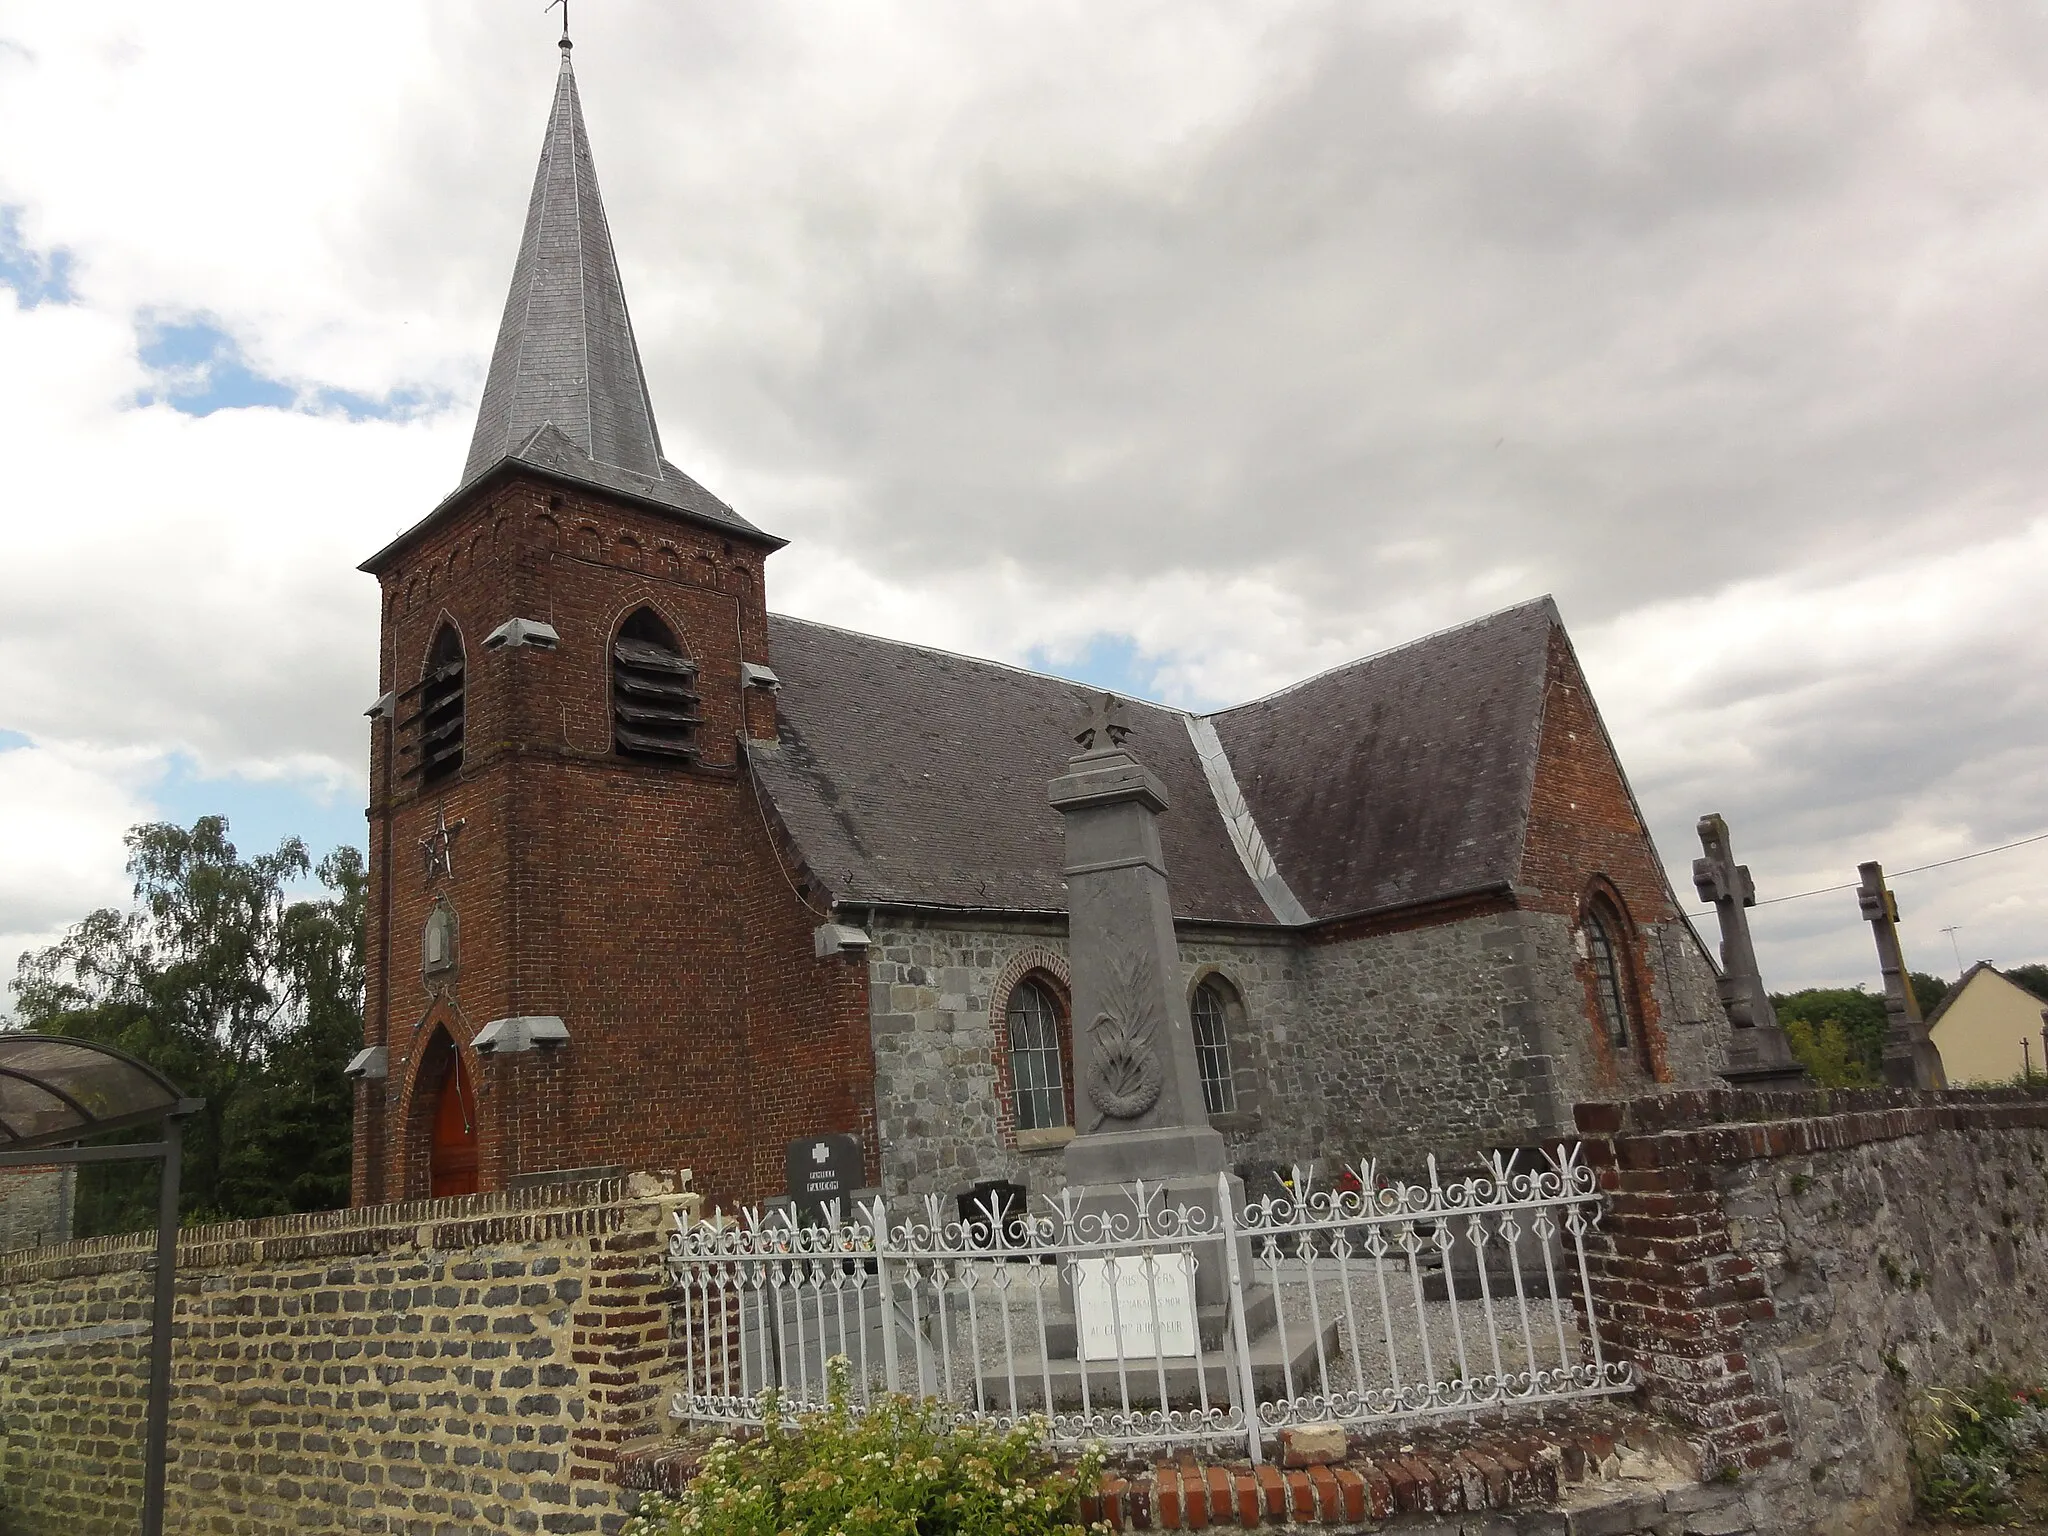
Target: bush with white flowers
<point>901,1467</point>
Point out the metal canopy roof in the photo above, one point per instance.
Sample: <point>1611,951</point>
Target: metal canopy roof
<point>55,1090</point>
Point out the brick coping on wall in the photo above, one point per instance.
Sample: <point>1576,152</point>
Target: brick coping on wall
<point>1857,1115</point>
<point>1599,1470</point>
<point>567,1209</point>
<point>1672,1289</point>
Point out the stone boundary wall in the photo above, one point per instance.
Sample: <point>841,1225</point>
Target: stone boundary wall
<point>471,1364</point>
<point>1790,1270</point>
<point>35,1206</point>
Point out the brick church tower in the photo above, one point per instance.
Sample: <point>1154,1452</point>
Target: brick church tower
<point>584,948</point>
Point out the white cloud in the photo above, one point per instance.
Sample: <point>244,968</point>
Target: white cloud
<point>62,812</point>
<point>1263,336</point>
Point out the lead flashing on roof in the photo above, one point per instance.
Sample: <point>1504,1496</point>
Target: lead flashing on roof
<point>1251,847</point>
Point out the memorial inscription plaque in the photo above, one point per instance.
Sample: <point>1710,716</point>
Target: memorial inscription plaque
<point>822,1169</point>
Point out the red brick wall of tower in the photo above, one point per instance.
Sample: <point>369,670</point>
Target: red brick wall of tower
<point>645,904</point>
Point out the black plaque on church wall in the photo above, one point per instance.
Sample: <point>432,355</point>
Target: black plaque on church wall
<point>823,1168</point>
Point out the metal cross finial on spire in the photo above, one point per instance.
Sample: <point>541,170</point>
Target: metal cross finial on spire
<point>564,4</point>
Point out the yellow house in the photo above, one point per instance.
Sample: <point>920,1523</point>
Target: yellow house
<point>1979,1026</point>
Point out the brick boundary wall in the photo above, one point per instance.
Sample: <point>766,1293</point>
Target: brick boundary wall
<point>472,1364</point>
<point>1787,1269</point>
<point>1585,1471</point>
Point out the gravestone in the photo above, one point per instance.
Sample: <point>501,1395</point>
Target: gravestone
<point>1759,1055</point>
<point>1911,1059</point>
<point>820,1169</point>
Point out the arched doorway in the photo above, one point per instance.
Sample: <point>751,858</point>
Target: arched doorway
<point>452,1161</point>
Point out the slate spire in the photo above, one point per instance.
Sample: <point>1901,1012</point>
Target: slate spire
<point>566,356</point>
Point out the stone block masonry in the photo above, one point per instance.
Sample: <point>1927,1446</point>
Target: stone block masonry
<point>1449,1037</point>
<point>1789,1270</point>
<point>35,1206</point>
<point>465,1365</point>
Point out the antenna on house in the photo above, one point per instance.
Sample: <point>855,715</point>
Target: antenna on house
<point>1950,930</point>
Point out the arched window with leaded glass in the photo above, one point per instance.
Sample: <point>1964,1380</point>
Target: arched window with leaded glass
<point>1611,985</point>
<point>1209,1011</point>
<point>1038,1079</point>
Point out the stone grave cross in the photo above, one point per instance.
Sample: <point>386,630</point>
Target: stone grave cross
<point>1759,1056</point>
<point>1910,1057</point>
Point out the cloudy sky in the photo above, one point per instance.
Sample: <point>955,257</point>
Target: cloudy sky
<point>1190,347</point>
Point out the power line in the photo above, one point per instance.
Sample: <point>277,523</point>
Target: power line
<point>1917,869</point>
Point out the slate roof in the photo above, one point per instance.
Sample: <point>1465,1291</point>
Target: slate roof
<point>1404,777</point>
<point>912,776</point>
<point>566,392</point>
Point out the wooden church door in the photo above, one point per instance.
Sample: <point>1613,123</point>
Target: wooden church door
<point>453,1164</point>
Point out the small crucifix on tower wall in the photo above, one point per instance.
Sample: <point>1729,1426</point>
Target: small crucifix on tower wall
<point>1910,1057</point>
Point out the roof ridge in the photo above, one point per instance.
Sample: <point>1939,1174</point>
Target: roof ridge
<point>1546,601</point>
<point>984,661</point>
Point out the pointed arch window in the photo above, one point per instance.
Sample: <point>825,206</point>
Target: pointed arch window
<point>1210,1014</point>
<point>435,751</point>
<point>1610,973</point>
<point>655,706</point>
<point>1038,1082</point>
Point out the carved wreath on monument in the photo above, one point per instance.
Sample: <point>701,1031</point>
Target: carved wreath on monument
<point>1126,1076</point>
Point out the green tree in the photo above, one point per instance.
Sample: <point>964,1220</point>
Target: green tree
<point>2033,977</point>
<point>1858,1013</point>
<point>236,992</point>
<point>1830,1056</point>
<point>1927,990</point>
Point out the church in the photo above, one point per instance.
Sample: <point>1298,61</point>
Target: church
<point>662,879</point>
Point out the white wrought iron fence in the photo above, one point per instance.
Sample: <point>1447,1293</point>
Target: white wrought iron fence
<point>1144,1318</point>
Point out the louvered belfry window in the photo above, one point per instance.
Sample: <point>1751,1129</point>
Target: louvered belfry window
<point>434,727</point>
<point>655,707</point>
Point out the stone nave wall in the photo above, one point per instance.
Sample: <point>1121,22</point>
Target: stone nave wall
<point>1792,1270</point>
<point>1447,1039</point>
<point>468,1365</point>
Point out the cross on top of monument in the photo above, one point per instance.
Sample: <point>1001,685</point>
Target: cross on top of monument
<point>1717,877</point>
<point>1105,724</point>
<point>1874,897</point>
